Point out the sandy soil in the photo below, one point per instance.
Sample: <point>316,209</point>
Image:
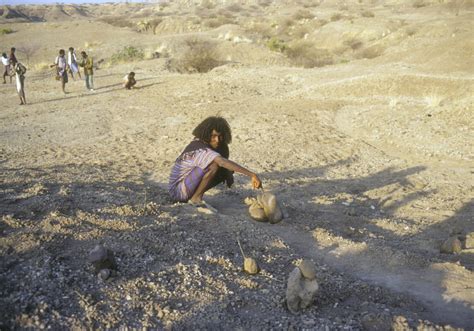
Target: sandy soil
<point>371,158</point>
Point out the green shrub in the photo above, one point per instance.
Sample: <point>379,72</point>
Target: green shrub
<point>276,45</point>
<point>128,53</point>
<point>5,31</point>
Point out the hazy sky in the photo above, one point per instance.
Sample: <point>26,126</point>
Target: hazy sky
<point>24,2</point>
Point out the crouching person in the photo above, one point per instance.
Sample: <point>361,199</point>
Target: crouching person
<point>129,81</point>
<point>204,164</point>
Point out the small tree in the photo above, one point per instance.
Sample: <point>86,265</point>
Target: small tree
<point>28,51</point>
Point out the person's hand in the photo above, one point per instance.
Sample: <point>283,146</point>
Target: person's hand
<point>229,179</point>
<point>256,182</point>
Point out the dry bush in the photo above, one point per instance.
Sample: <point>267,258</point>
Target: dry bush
<point>118,21</point>
<point>217,22</point>
<point>262,29</point>
<point>309,3</point>
<point>300,31</point>
<point>336,17</point>
<point>28,50</point>
<point>303,14</point>
<point>456,5</point>
<point>42,66</point>
<point>234,8</point>
<point>370,52</point>
<point>353,43</point>
<point>225,13</point>
<point>154,24</point>
<point>306,54</point>
<point>195,20</point>
<point>204,13</point>
<point>200,56</point>
<point>322,22</point>
<point>284,26</point>
<point>410,31</point>
<point>367,13</point>
<point>419,4</point>
<point>91,44</point>
<point>343,6</point>
<point>127,54</point>
<point>264,3</point>
<point>207,4</point>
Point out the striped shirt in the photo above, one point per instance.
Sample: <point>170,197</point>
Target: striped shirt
<point>180,187</point>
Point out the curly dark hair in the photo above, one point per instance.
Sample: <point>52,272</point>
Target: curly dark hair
<point>204,129</point>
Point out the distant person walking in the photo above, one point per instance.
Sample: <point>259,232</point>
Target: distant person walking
<point>13,59</point>
<point>88,64</point>
<point>129,81</point>
<point>20,71</point>
<point>6,66</point>
<point>61,69</point>
<point>72,63</point>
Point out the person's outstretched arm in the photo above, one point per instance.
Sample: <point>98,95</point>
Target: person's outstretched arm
<point>223,162</point>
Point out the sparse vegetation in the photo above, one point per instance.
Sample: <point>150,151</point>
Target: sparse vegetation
<point>410,31</point>
<point>262,29</point>
<point>303,14</point>
<point>300,31</point>
<point>207,4</point>
<point>200,57</point>
<point>419,3</point>
<point>42,66</point>
<point>336,17</point>
<point>217,22</point>
<point>234,8</point>
<point>309,3</point>
<point>367,13</point>
<point>353,43</point>
<point>127,54</point>
<point>371,52</point>
<point>275,44</point>
<point>306,54</point>
<point>118,21</point>
<point>5,31</point>
<point>28,50</point>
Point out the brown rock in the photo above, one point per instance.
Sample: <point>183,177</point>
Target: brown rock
<point>271,207</point>
<point>300,292</point>
<point>451,246</point>
<point>101,258</point>
<point>308,269</point>
<point>257,213</point>
<point>469,242</point>
<point>250,266</point>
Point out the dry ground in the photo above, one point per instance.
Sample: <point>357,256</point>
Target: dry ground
<point>371,157</point>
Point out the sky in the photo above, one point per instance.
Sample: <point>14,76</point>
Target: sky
<point>37,2</point>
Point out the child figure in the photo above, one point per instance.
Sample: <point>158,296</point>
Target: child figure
<point>20,71</point>
<point>72,63</point>
<point>6,66</point>
<point>129,81</point>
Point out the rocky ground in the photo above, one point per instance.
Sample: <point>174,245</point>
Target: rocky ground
<point>370,156</point>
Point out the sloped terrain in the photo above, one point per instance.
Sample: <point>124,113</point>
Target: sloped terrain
<point>370,156</point>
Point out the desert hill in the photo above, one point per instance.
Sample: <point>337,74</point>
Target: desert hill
<point>356,114</point>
